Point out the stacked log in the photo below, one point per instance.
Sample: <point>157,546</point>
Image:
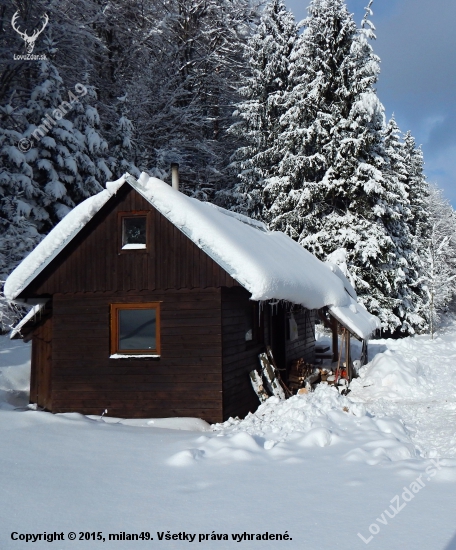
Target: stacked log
<point>302,375</point>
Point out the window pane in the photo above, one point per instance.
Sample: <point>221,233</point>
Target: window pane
<point>134,230</point>
<point>137,329</point>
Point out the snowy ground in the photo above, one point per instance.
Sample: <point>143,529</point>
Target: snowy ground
<point>322,469</point>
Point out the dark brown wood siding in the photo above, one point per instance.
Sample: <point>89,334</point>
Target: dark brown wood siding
<point>41,367</point>
<point>304,345</point>
<point>239,355</point>
<point>93,261</point>
<point>185,381</point>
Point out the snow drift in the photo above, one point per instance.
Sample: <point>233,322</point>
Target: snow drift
<point>284,430</point>
<point>391,376</point>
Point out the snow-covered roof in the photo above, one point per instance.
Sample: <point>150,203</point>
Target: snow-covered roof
<point>339,273</point>
<point>356,318</point>
<point>268,264</point>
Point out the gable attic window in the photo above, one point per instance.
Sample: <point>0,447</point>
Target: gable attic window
<point>133,230</point>
<point>135,330</point>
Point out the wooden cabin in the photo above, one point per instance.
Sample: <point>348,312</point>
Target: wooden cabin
<point>142,308</point>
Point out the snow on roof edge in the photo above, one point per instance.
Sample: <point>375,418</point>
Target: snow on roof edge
<point>244,219</point>
<point>30,315</point>
<point>39,258</point>
<point>356,318</point>
<point>339,273</point>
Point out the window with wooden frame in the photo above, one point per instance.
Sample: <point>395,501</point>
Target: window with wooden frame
<point>133,230</point>
<point>135,329</point>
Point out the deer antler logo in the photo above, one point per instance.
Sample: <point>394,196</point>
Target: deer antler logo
<point>29,40</point>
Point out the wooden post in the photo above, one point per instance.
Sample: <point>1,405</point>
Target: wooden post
<point>335,340</point>
<point>348,358</point>
<point>364,354</point>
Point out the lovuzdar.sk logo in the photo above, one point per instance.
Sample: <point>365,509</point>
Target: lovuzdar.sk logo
<point>29,40</point>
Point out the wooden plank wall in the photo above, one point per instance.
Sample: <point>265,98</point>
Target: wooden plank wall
<point>239,356</point>
<point>41,365</point>
<point>185,381</point>
<point>94,262</point>
<point>304,346</point>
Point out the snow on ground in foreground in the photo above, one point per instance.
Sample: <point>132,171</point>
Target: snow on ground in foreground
<point>323,467</point>
<point>319,419</point>
<point>177,423</point>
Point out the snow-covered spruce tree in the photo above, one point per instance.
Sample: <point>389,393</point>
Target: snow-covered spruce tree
<point>20,195</point>
<point>335,187</point>
<point>91,41</point>
<point>418,190</point>
<point>319,64</point>
<point>68,154</point>
<point>267,55</point>
<point>91,150</point>
<point>122,147</point>
<point>20,212</point>
<point>72,25</point>
<point>187,93</point>
<point>439,255</point>
<point>52,159</point>
<point>412,296</point>
<point>35,189</point>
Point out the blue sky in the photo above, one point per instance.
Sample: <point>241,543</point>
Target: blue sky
<point>416,42</point>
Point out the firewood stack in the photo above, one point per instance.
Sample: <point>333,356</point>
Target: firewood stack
<point>302,375</point>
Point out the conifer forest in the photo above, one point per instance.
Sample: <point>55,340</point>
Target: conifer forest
<point>276,119</point>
